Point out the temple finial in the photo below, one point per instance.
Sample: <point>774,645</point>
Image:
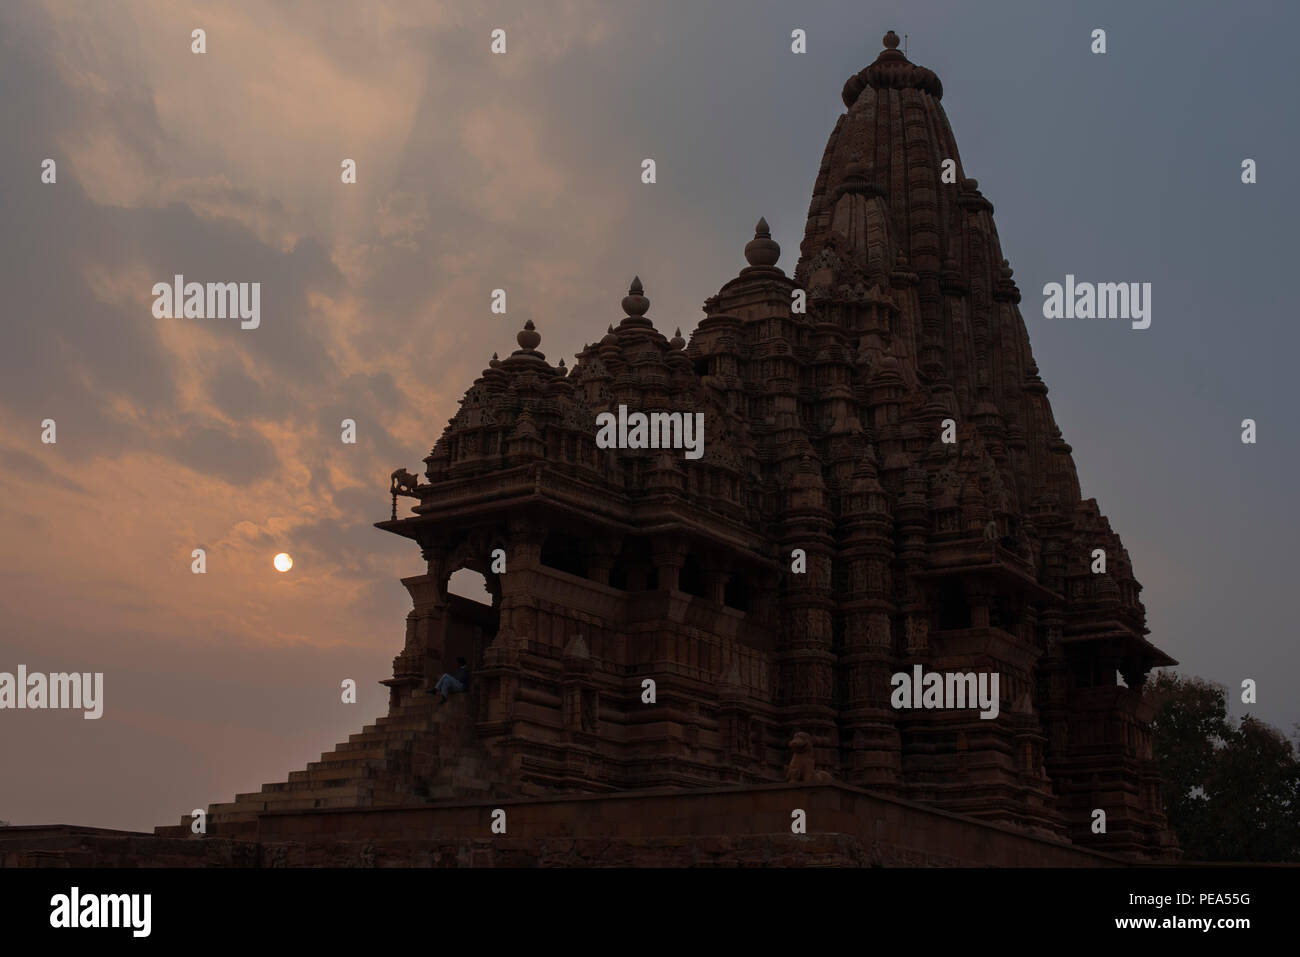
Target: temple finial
<point>635,303</point>
<point>762,250</point>
<point>529,337</point>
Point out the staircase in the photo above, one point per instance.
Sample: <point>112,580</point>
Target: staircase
<point>420,752</point>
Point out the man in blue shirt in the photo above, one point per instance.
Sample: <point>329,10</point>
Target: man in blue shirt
<point>451,684</point>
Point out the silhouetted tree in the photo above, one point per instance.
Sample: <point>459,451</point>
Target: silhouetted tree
<point>1231,794</point>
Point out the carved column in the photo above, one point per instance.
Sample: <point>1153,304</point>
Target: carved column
<point>717,573</point>
<point>602,552</point>
<point>669,555</point>
<point>421,660</point>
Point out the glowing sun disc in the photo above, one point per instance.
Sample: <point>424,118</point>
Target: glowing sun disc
<point>283,562</point>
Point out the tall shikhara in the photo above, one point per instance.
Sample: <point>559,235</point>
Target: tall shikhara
<point>827,539</point>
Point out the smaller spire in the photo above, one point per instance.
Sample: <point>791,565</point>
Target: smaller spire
<point>762,250</point>
<point>635,303</point>
<point>677,342</point>
<point>529,337</point>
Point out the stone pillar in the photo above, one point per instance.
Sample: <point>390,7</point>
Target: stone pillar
<point>669,555</point>
<point>717,573</point>
<point>579,695</point>
<point>733,720</point>
<point>602,552</point>
<point>805,658</point>
<point>421,660</point>
<point>518,586</point>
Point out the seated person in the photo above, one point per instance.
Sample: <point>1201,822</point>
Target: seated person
<point>450,684</point>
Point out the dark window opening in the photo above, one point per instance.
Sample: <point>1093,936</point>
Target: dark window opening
<point>691,578</point>
<point>565,553</point>
<point>1002,615</point>
<point>954,612</point>
<point>736,594</point>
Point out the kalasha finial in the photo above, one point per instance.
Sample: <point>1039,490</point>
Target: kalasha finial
<point>762,250</point>
<point>529,337</point>
<point>677,342</point>
<point>891,40</point>
<point>635,303</point>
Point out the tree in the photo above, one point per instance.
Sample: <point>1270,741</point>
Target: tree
<point>1255,787</point>
<point>1230,793</point>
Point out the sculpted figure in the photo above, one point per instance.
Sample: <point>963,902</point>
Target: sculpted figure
<point>404,481</point>
<point>802,768</point>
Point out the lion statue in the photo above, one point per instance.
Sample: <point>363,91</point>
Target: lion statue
<point>404,481</point>
<point>802,768</point>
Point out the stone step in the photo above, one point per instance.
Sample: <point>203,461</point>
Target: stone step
<point>389,798</point>
<point>297,800</point>
<point>330,777</point>
<point>231,817</point>
<point>457,789</point>
<point>266,800</point>
<point>391,761</point>
<point>330,759</point>
<point>310,803</point>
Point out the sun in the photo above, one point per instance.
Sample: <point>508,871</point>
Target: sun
<point>283,562</point>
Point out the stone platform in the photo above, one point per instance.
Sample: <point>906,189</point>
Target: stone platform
<point>740,826</point>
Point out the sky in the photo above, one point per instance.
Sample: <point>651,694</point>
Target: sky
<point>522,171</point>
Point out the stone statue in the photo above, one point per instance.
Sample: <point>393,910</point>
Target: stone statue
<point>802,768</point>
<point>404,482</point>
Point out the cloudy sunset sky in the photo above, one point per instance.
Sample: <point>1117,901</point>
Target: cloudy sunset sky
<point>522,171</point>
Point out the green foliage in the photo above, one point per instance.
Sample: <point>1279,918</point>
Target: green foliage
<point>1231,793</point>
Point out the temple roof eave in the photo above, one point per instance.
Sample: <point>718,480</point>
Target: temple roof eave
<point>531,487</point>
<point>1122,635</point>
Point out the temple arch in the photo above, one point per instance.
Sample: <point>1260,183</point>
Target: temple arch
<point>469,584</point>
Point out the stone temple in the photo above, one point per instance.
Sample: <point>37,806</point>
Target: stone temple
<point>827,539</point>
